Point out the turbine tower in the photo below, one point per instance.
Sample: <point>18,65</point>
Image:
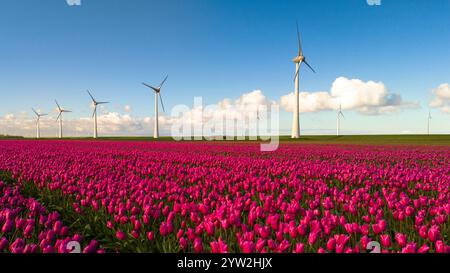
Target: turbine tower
<point>60,110</point>
<point>429,121</point>
<point>298,60</point>
<point>339,115</point>
<point>94,113</point>
<point>38,119</point>
<point>157,94</point>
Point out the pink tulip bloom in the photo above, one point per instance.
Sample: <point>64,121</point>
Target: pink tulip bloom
<point>264,232</point>
<point>7,226</point>
<point>423,249</point>
<point>434,234</point>
<point>312,238</point>
<point>135,234</point>
<point>331,244</point>
<point>215,247</point>
<point>321,251</point>
<point>364,241</point>
<point>3,243</point>
<point>400,239</point>
<point>164,229</point>
<point>198,245</point>
<point>248,247</point>
<point>423,232</point>
<point>222,246</point>
<point>410,248</point>
<point>302,229</point>
<point>299,248</point>
<point>49,249</point>
<point>121,235</point>
<point>260,244</point>
<point>150,236</point>
<point>28,231</point>
<point>30,248</point>
<point>440,247</point>
<point>183,243</point>
<point>385,240</point>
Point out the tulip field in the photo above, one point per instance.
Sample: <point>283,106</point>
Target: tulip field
<point>167,196</point>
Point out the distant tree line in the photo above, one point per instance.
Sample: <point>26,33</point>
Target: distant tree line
<point>9,136</point>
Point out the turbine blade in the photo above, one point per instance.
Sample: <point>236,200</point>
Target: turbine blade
<point>162,104</point>
<point>342,114</point>
<point>59,107</point>
<point>151,87</point>
<point>163,81</point>
<point>102,102</point>
<point>91,96</point>
<point>58,116</point>
<point>35,111</point>
<point>300,50</point>
<point>309,66</point>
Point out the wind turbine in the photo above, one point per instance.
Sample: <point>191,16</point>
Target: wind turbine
<point>339,115</point>
<point>94,113</point>
<point>60,110</point>
<point>298,60</point>
<point>429,121</point>
<point>157,93</point>
<point>38,129</point>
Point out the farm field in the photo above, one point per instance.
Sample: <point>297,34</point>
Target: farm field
<point>165,196</point>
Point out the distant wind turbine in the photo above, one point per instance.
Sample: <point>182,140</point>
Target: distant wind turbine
<point>298,60</point>
<point>339,115</point>
<point>157,94</point>
<point>94,113</point>
<point>60,110</point>
<point>38,119</point>
<point>429,121</point>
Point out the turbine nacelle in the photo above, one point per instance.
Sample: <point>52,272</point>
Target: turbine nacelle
<point>156,89</point>
<point>38,115</point>
<point>299,59</point>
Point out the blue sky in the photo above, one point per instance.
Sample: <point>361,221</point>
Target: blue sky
<point>222,49</point>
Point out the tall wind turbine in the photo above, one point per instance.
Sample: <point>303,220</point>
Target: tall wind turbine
<point>94,113</point>
<point>298,60</point>
<point>38,119</point>
<point>157,94</point>
<point>60,110</point>
<point>339,115</point>
<point>429,121</point>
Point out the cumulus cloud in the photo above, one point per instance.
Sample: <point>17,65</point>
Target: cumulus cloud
<point>109,124</point>
<point>369,98</point>
<point>242,114</point>
<point>245,108</point>
<point>127,108</point>
<point>247,104</point>
<point>73,2</point>
<point>441,98</point>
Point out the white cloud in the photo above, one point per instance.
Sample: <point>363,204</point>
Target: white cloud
<point>247,115</point>
<point>109,123</point>
<point>127,108</point>
<point>73,2</point>
<point>113,123</point>
<point>441,99</point>
<point>370,98</point>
